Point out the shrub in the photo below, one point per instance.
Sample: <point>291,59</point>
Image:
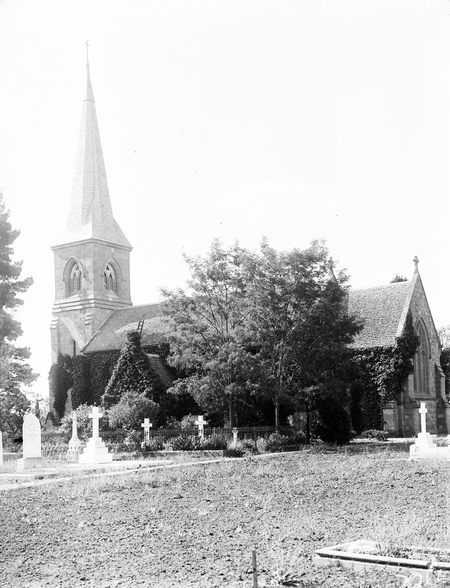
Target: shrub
<point>131,410</point>
<point>185,443</point>
<point>214,441</point>
<point>375,434</point>
<point>277,440</point>
<point>332,423</point>
<point>154,444</point>
<point>237,448</point>
<point>84,422</point>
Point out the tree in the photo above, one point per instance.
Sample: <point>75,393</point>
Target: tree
<point>15,372</point>
<point>10,284</point>
<point>209,343</point>
<point>299,325</point>
<point>398,278</point>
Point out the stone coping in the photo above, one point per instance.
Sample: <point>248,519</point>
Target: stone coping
<point>362,554</point>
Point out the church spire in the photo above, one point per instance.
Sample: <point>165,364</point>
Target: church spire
<point>90,215</point>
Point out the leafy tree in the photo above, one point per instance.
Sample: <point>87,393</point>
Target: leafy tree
<point>300,325</point>
<point>132,373</point>
<point>209,344</point>
<point>398,278</point>
<point>130,411</point>
<point>10,284</point>
<point>14,373</point>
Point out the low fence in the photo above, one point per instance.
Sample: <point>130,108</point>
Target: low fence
<point>118,436</point>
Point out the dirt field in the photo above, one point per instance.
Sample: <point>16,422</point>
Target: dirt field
<point>197,525</point>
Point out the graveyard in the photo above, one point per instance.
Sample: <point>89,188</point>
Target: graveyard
<point>198,523</point>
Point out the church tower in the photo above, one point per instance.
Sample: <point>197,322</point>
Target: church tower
<point>91,253</point>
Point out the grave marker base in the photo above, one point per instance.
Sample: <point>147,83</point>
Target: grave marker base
<point>95,452</point>
<point>31,463</point>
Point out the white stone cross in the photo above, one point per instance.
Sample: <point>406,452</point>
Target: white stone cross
<point>200,422</point>
<point>423,419</point>
<point>147,426</point>
<point>95,415</point>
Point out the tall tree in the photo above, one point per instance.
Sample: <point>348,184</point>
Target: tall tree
<point>10,284</point>
<point>209,343</point>
<point>15,372</point>
<point>299,323</point>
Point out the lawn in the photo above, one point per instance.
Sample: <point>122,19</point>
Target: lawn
<point>197,525</point>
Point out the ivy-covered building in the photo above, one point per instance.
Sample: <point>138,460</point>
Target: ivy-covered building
<point>93,313</point>
<point>384,310</point>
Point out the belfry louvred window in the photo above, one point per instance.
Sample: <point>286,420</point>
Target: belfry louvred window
<point>75,279</point>
<point>109,278</point>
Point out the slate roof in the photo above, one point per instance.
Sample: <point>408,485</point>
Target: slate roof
<point>113,333</point>
<point>159,368</point>
<point>90,215</point>
<point>383,310</point>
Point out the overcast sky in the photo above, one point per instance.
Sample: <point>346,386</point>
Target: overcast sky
<point>234,119</point>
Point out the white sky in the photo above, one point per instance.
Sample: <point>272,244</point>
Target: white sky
<point>234,119</point>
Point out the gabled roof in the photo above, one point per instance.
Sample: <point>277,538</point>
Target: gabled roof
<point>113,333</point>
<point>90,215</point>
<point>159,368</point>
<point>383,310</point>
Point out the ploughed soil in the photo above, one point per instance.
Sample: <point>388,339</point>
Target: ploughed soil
<point>197,525</point>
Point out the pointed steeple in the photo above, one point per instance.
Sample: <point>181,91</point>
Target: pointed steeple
<point>90,214</point>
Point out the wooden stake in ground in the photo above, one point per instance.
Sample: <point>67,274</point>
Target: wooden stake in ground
<point>255,573</point>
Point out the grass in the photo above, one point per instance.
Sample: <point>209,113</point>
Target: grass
<point>197,526</point>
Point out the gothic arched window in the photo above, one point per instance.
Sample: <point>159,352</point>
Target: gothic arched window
<point>422,362</point>
<point>75,279</point>
<point>109,278</point>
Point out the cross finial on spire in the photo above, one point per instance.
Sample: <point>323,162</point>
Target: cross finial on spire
<point>416,262</point>
<point>87,52</point>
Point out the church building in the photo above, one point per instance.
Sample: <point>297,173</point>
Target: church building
<point>93,312</point>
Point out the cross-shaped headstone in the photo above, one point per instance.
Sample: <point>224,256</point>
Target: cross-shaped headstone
<point>95,415</point>
<point>147,425</point>
<point>423,419</point>
<point>200,422</point>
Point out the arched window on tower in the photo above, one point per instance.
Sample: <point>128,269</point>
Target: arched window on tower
<point>422,362</point>
<point>109,278</point>
<point>75,279</point>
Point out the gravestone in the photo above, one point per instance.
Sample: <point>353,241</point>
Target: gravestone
<point>147,425</point>
<point>200,422</point>
<point>235,435</point>
<point>31,434</point>
<point>73,452</point>
<point>95,450</point>
<point>424,446</point>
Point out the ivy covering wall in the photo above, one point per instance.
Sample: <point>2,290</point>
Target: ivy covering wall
<point>381,374</point>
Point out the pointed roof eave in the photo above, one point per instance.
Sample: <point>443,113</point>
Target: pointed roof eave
<point>90,214</point>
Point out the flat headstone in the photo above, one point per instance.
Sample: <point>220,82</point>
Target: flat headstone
<point>32,451</point>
